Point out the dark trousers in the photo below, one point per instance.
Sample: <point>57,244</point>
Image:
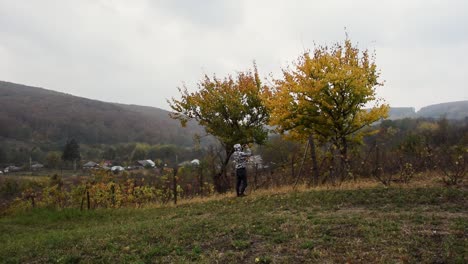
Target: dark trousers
<point>241,174</point>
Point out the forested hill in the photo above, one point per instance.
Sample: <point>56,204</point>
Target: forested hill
<point>35,114</point>
<point>451,110</point>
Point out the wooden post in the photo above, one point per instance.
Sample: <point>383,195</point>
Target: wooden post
<point>201,181</point>
<point>313,154</point>
<point>302,165</point>
<point>293,159</point>
<point>87,199</point>
<point>113,195</point>
<point>175,185</point>
<point>256,177</point>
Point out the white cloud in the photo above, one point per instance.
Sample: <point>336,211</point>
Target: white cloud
<point>138,52</point>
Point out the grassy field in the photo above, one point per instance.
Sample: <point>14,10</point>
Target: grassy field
<point>368,225</point>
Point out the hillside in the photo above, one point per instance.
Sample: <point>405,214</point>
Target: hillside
<point>361,225</point>
<point>401,112</point>
<point>35,114</point>
<point>452,110</point>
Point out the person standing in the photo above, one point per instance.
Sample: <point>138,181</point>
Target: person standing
<point>241,157</point>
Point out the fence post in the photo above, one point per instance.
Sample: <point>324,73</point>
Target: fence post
<point>201,181</point>
<point>113,194</point>
<point>175,185</point>
<point>87,199</point>
<point>256,176</point>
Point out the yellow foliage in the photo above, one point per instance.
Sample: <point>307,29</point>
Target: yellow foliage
<point>325,92</point>
<point>428,126</point>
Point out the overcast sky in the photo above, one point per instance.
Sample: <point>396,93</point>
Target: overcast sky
<point>139,52</point>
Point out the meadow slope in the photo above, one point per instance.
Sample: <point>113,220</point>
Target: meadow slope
<point>370,225</point>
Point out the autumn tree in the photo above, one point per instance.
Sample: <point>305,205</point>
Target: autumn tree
<point>231,109</point>
<point>327,94</point>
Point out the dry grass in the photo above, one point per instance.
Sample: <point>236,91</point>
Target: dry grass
<point>356,222</point>
<point>420,181</point>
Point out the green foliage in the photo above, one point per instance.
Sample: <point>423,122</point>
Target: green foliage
<point>140,152</point>
<point>109,153</point>
<point>71,151</point>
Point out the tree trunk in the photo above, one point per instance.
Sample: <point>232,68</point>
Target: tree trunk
<point>255,177</point>
<point>113,195</point>
<point>220,180</point>
<point>201,181</point>
<point>88,202</point>
<point>174,186</point>
<point>293,160</point>
<point>344,158</point>
<point>302,164</point>
<point>313,155</point>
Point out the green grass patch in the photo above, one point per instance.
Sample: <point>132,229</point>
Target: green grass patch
<point>369,225</point>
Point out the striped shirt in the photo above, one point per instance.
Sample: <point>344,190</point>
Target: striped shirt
<point>241,158</point>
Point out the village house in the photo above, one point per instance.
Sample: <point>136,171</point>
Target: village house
<point>90,165</point>
<point>146,163</point>
<point>36,166</point>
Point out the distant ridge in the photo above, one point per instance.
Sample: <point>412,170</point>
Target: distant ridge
<point>36,114</point>
<point>401,112</point>
<point>450,110</point>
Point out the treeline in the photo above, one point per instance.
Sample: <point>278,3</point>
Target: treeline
<point>122,154</point>
<point>396,152</point>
